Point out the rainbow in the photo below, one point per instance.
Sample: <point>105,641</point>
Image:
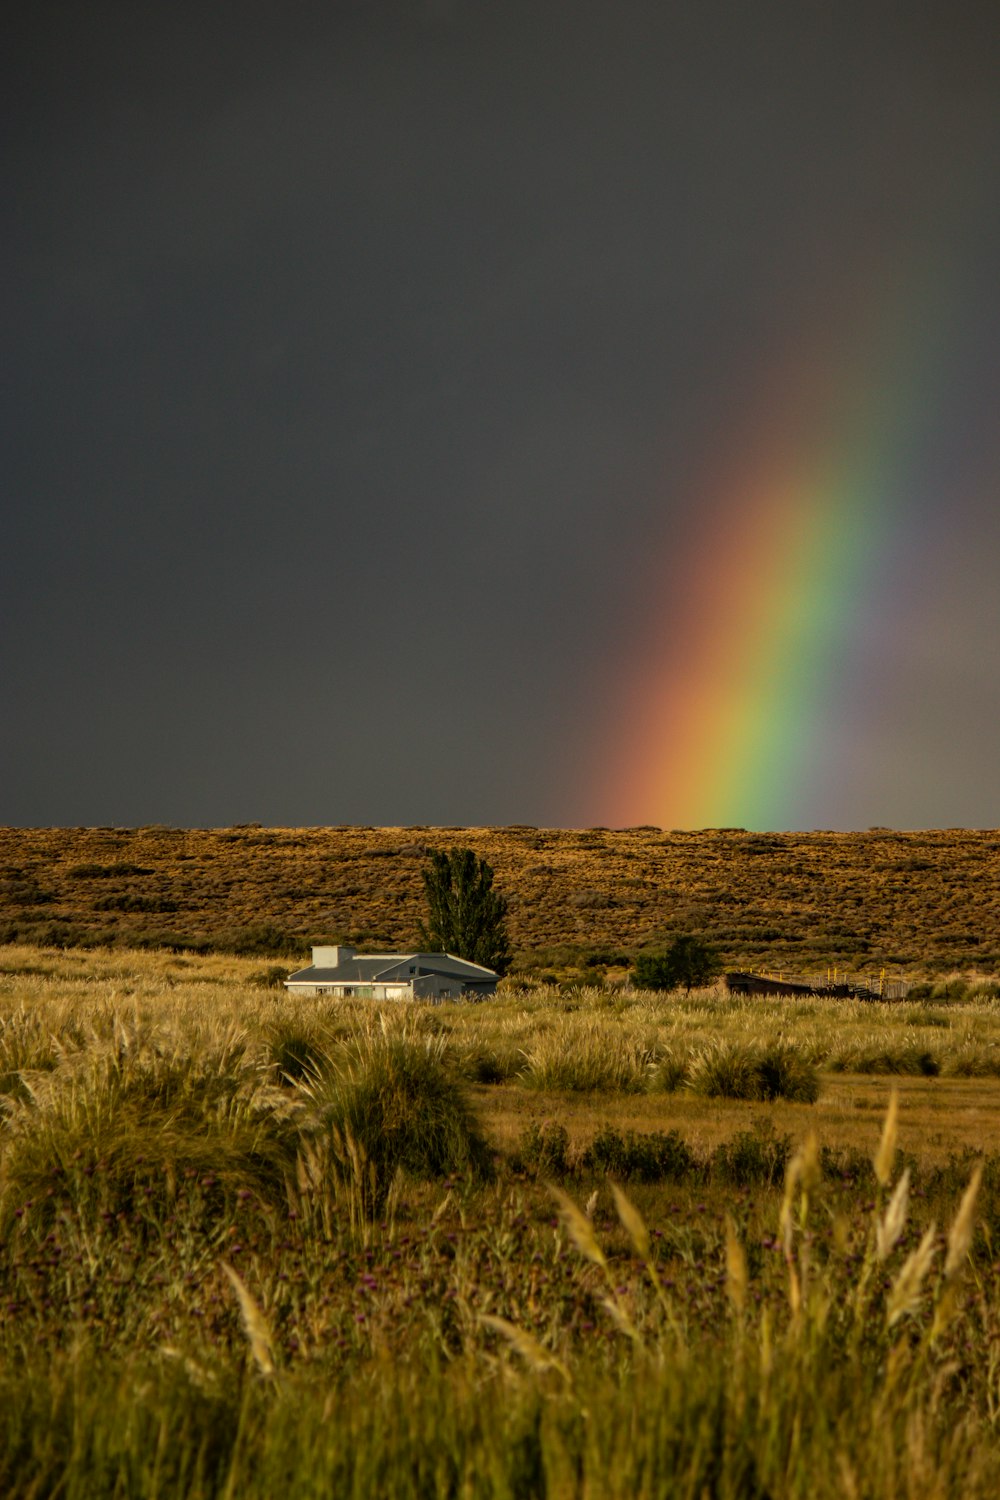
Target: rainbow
<point>758,651</point>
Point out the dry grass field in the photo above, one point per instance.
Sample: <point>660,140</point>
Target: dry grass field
<point>943,1059</point>
<point>915,903</point>
<point>580,1242</point>
<point>558,1244</point>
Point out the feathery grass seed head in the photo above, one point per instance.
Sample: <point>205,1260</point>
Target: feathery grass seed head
<point>960,1233</point>
<point>886,1153</point>
<point>893,1221</point>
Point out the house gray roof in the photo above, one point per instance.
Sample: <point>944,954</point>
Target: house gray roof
<point>367,968</point>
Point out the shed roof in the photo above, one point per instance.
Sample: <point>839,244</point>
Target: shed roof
<point>367,968</point>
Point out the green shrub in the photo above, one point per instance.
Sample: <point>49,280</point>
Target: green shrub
<point>128,901</point>
<point>905,1059</point>
<point>751,1158</point>
<point>257,940</point>
<point>54,934</point>
<point>652,1157</point>
<point>848,1165</point>
<point>158,937</point>
<point>973,1061</point>
<point>950,990</point>
<point>271,978</point>
<point>922,1015</point>
<point>689,962</point>
<point>785,1073</point>
<point>26,893</point>
<point>544,1149</point>
<point>921,991</point>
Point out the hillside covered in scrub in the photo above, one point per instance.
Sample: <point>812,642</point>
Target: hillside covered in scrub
<point>581,901</point>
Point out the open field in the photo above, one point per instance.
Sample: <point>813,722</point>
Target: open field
<point>580,901</point>
<point>254,1246</point>
<point>943,1058</point>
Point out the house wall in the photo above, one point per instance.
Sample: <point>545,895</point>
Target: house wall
<point>434,987</point>
<point>480,991</point>
<point>357,990</point>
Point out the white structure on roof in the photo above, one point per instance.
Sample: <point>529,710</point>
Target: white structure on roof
<point>339,971</point>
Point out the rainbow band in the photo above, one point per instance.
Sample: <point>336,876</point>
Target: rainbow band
<point>730,716</point>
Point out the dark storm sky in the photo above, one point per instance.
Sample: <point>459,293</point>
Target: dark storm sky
<point>357,355</point>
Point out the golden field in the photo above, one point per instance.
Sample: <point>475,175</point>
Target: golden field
<point>942,1059</point>
<point>254,1245</point>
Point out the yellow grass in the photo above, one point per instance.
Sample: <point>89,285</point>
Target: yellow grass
<point>212,996</point>
<point>938,1116</point>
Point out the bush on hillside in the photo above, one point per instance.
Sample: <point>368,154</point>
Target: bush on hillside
<point>688,962</point>
<point>259,940</point>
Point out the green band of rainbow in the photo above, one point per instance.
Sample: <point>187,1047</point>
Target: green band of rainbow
<point>727,718</point>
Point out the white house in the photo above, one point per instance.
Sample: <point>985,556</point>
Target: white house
<point>341,972</point>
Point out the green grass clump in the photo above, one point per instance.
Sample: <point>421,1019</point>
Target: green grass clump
<point>973,1061</point>
<point>904,1059</point>
<point>25,1047</point>
<point>587,1058</point>
<point>115,1130</point>
<point>669,1073</point>
<point>295,1050</point>
<point>270,978</point>
<point>386,1103</point>
<point>735,1071</point>
<point>492,1063</point>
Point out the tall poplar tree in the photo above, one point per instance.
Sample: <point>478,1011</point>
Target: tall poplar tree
<point>465,915</point>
